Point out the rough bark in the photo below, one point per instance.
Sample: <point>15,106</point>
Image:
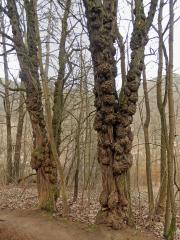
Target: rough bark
<point>123,56</point>
<point>113,115</point>
<point>53,146</point>
<point>41,158</point>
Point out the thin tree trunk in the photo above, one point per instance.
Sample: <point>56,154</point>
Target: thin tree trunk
<point>170,218</point>
<point>25,154</point>
<point>59,84</point>
<point>78,159</point>
<point>161,108</point>
<point>7,107</point>
<point>19,132</point>
<point>88,133</point>
<point>78,132</point>
<point>147,146</point>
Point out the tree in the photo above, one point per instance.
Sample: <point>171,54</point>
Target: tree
<point>19,132</point>
<point>7,108</point>
<point>59,84</point>
<point>50,126</point>
<point>114,115</point>
<point>147,145</point>
<point>41,159</point>
<point>161,103</point>
<point>170,215</point>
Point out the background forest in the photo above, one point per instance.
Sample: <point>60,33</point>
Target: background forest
<point>89,111</point>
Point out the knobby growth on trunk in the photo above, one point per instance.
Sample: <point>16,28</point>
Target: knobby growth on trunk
<point>114,115</point>
<point>49,119</point>
<point>41,159</point>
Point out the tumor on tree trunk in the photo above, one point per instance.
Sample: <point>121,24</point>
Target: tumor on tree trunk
<point>114,115</point>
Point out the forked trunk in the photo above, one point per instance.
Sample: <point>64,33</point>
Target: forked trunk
<point>113,115</point>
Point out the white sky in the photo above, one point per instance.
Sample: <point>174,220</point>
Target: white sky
<point>125,14</point>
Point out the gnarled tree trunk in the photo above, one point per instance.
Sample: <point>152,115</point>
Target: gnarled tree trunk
<point>41,160</point>
<point>113,115</point>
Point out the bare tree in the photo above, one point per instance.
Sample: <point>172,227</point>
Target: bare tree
<point>147,145</point>
<point>161,103</point>
<point>42,160</point>
<point>7,107</point>
<point>114,115</point>
<point>19,133</point>
<point>170,216</point>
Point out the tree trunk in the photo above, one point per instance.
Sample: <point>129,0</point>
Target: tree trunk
<point>7,107</point>
<point>24,150</point>
<point>78,159</point>
<point>161,103</point>
<point>59,84</point>
<point>170,216</point>
<point>163,180</point>
<point>51,139</point>
<point>41,159</point>
<point>19,132</point>
<point>78,131</point>
<point>147,146</point>
<point>113,115</point>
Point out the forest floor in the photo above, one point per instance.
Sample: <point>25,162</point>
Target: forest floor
<point>36,225</point>
<point>20,219</point>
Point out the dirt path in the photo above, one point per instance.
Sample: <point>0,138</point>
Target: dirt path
<point>34,225</point>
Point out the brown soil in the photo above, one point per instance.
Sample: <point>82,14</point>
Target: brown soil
<point>35,225</point>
